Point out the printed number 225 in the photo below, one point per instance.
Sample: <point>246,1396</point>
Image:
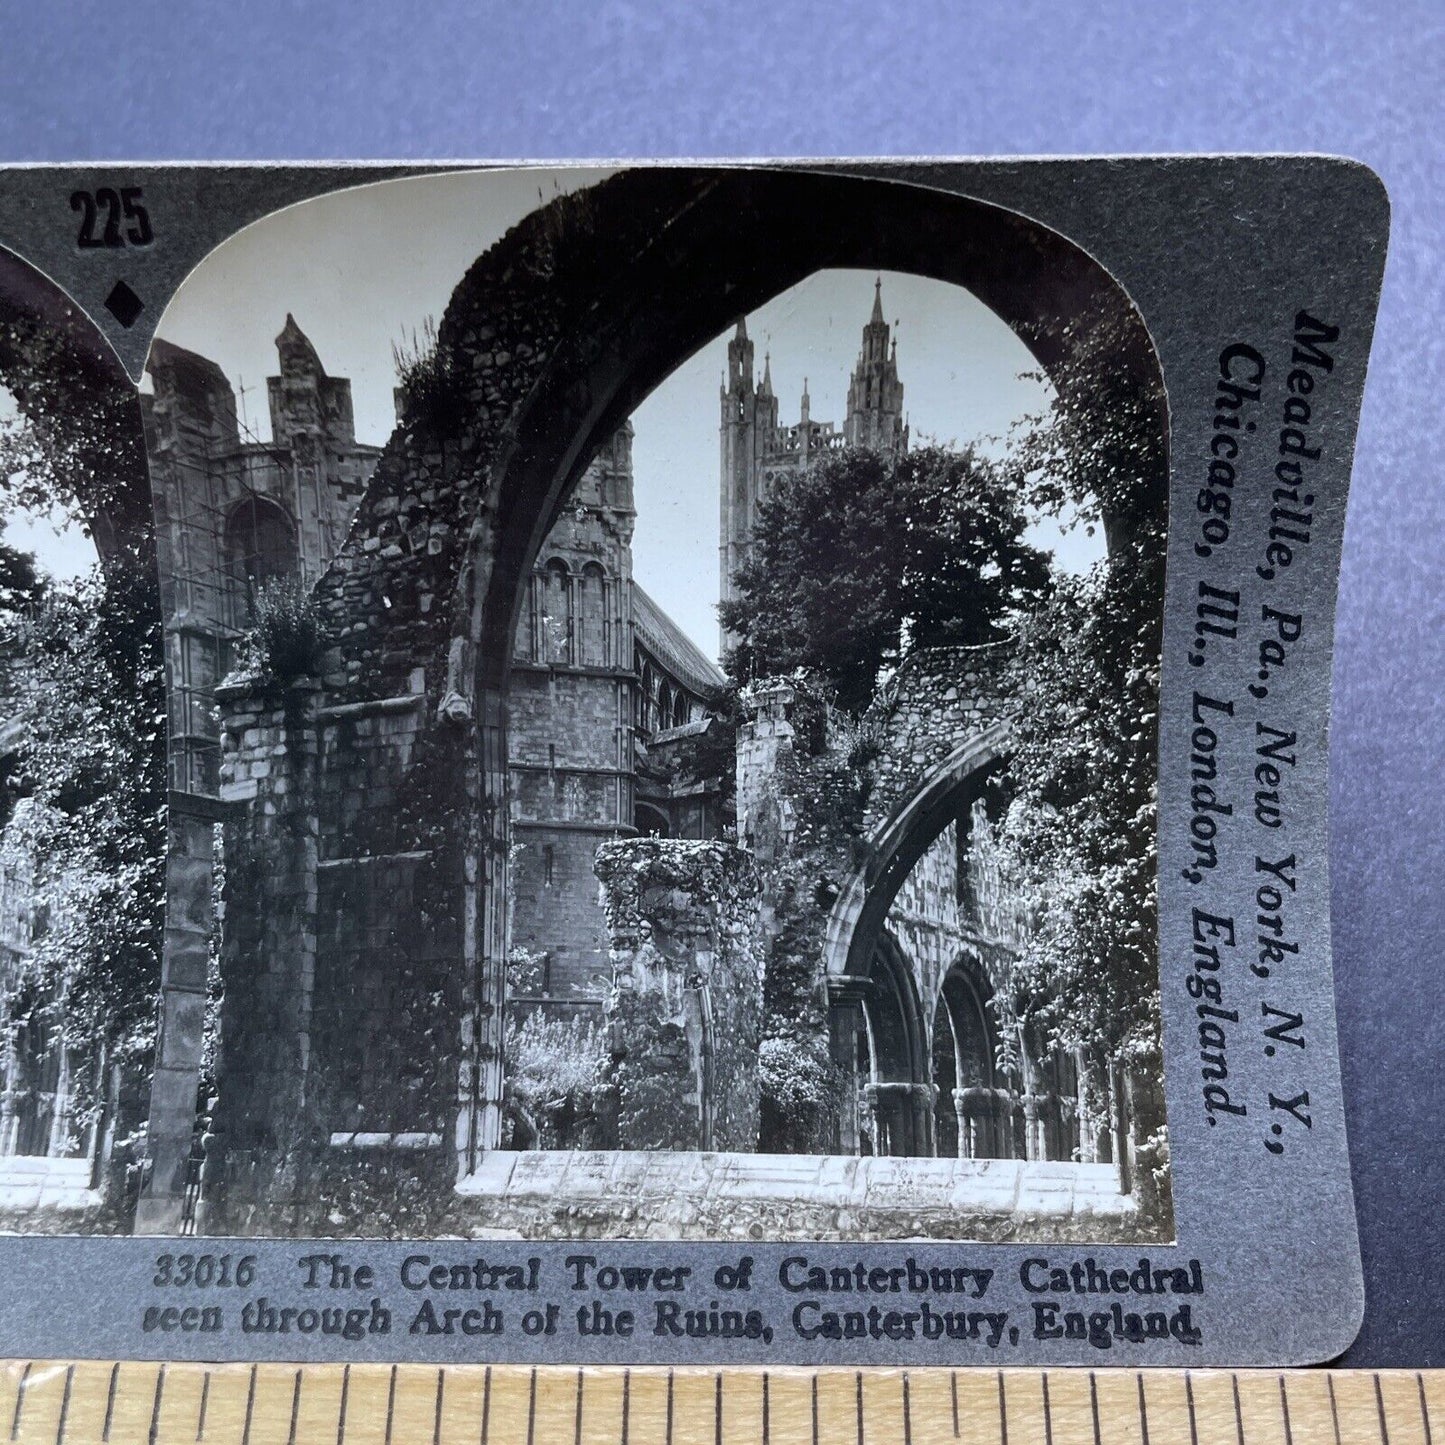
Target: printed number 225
<point>116,206</point>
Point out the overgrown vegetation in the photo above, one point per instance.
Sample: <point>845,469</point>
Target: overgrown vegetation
<point>430,381</point>
<point>83,700</point>
<point>556,1081</point>
<point>287,634</point>
<point>861,559</point>
<point>1083,830</point>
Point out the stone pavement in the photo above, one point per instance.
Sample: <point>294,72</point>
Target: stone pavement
<point>42,1196</point>
<point>664,1195</point>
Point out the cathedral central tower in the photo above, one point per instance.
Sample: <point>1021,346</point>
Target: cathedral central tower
<point>756,451</point>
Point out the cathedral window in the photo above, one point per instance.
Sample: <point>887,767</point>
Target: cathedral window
<point>557,620</point>
<point>592,616</point>
<point>260,548</point>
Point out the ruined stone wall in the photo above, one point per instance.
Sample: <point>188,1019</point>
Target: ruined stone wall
<point>685,1008</point>
<point>938,699</point>
<point>338,1029</point>
<point>925,920</point>
<point>263,1142</point>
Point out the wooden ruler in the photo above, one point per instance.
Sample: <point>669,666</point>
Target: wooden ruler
<point>148,1404</point>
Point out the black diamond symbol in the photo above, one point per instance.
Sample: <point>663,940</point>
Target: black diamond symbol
<point>124,304</point>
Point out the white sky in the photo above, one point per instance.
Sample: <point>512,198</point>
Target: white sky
<point>365,268</point>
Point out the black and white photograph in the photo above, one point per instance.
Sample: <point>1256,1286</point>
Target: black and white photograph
<point>663,734</point>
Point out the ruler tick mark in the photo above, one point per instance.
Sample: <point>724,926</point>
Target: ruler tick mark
<point>858,1388</point>
<point>717,1411</point>
<point>65,1406</point>
<point>20,1401</point>
<point>250,1407</point>
<point>1143,1411</point>
<point>815,1407</point>
<point>669,1407</point>
<point>626,1404</point>
<point>532,1406</point>
<point>1189,1400</point>
<point>767,1423</point>
<point>486,1403</point>
<point>154,1431</point>
<point>1094,1405</point>
<point>436,1429</point>
<point>1380,1406</point>
<point>953,1391</point>
<point>908,1413</point>
<point>205,1402</point>
<point>577,1422</point>
<point>109,1401</point>
<point>345,1394</point>
<point>1003,1412</point>
<point>1239,1413</point>
<point>1284,1413</point>
<point>1334,1409</point>
<point>1048,1413</point>
<point>1424,1409</point>
<point>390,1403</point>
<point>295,1407</point>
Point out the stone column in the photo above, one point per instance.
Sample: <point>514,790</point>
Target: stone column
<point>980,1123</point>
<point>8,1123</point>
<point>877,1120</point>
<point>904,1111</point>
<point>845,1020</point>
<point>1033,1127</point>
<point>190,862</point>
<point>480,1078</point>
<point>922,1099</point>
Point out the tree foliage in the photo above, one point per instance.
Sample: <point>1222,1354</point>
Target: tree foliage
<point>76,438</point>
<point>83,689</point>
<point>87,797</point>
<point>1086,669</point>
<point>864,556</point>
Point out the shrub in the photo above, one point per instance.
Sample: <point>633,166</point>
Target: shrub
<point>431,382</point>
<point>555,1078</point>
<point>798,1088</point>
<point>287,634</point>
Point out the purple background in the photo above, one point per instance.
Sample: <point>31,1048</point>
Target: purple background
<point>291,80</point>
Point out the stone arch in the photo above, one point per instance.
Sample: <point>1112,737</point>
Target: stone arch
<point>897,1094</point>
<point>107,479</point>
<point>554,337</point>
<point>689,252</point>
<point>972,1111</point>
<point>857,920</point>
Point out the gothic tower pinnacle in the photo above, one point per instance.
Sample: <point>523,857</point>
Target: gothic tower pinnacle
<point>757,453</point>
<point>875,394</point>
